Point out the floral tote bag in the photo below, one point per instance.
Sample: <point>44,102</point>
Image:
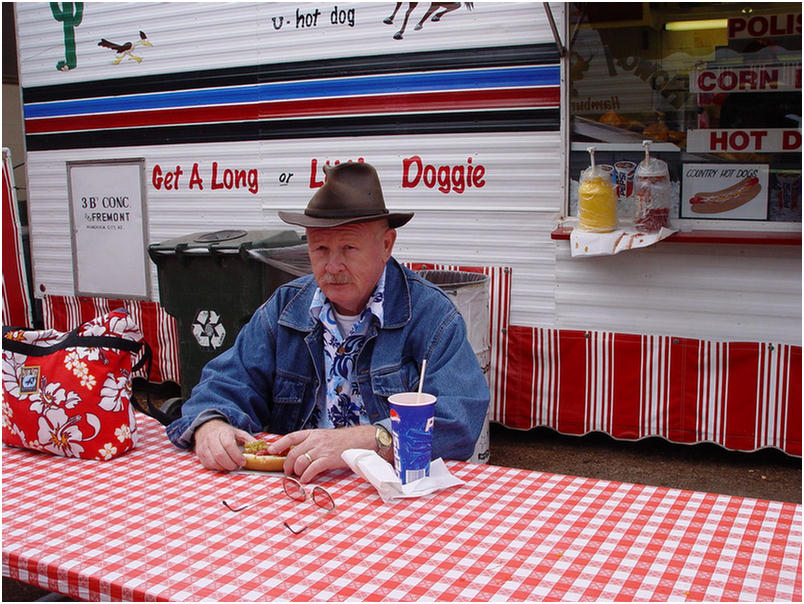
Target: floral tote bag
<point>70,394</point>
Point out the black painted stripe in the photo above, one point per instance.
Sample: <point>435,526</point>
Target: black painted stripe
<point>525,120</point>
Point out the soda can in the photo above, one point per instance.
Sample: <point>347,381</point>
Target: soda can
<point>625,178</point>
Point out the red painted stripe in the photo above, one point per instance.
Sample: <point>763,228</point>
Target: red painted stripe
<point>167,345</point>
<point>792,432</point>
<point>772,400</point>
<point>58,319</point>
<point>704,379</point>
<point>147,319</point>
<point>677,396</point>
<point>16,305</point>
<point>86,311</point>
<point>627,386</point>
<point>392,103</point>
<point>761,390</point>
<point>571,381</point>
<point>612,360</point>
<point>536,375</point>
<point>504,310</point>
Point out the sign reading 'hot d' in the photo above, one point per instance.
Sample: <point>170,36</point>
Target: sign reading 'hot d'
<point>750,140</point>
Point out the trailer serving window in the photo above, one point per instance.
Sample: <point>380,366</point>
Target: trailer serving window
<point>715,87</point>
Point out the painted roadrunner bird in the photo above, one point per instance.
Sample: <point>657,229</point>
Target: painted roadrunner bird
<point>125,50</point>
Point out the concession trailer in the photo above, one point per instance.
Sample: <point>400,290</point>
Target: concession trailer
<point>146,121</point>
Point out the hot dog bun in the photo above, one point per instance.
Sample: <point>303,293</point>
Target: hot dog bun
<point>726,199</point>
<point>258,458</point>
<point>264,463</point>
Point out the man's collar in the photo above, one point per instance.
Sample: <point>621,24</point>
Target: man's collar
<point>396,306</point>
<point>374,305</point>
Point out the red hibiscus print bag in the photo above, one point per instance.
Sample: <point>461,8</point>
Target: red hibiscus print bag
<point>69,394</point>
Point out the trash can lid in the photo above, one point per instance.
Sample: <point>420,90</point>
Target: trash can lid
<point>227,241</point>
<point>452,279</point>
<point>292,259</point>
<point>224,235</point>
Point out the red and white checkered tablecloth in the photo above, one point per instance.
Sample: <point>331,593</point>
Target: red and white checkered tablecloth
<point>150,526</point>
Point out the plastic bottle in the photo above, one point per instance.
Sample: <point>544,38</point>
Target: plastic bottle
<point>597,199</point>
<point>653,194</point>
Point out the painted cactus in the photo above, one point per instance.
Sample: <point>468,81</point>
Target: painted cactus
<point>70,15</point>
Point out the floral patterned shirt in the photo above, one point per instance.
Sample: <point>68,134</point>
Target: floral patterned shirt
<point>338,402</point>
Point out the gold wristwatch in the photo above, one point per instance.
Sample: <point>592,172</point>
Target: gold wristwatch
<point>383,439</point>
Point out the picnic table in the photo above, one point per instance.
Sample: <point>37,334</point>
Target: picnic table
<point>150,525</point>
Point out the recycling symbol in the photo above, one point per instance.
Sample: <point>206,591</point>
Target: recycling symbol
<point>208,329</point>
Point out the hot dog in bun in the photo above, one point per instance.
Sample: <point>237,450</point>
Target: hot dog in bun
<point>258,458</point>
<point>726,199</point>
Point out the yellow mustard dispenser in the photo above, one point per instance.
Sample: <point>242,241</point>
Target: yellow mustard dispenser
<point>597,199</point>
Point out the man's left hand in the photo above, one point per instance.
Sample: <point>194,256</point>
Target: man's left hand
<point>315,451</point>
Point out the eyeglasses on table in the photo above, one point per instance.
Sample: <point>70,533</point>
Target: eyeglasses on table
<point>296,491</point>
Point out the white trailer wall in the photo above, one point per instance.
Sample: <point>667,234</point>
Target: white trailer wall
<point>504,223</point>
<point>715,291</point>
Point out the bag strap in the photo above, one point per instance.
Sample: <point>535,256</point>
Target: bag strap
<point>149,408</point>
<point>74,340</point>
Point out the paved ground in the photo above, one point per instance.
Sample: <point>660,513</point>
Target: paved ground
<point>767,474</point>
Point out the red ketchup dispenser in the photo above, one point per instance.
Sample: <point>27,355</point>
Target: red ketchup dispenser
<point>653,194</point>
<point>597,199</point>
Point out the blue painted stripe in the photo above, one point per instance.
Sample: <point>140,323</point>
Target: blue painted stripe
<point>543,75</point>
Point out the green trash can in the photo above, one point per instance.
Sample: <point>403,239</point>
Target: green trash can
<point>211,285</point>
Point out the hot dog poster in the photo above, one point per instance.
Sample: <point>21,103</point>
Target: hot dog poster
<point>725,191</point>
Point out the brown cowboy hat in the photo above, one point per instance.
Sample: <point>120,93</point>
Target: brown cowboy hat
<point>351,193</point>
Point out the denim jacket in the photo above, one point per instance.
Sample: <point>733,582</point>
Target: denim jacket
<point>267,381</point>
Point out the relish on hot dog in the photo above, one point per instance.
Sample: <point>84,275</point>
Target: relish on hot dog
<point>258,458</point>
<point>726,199</point>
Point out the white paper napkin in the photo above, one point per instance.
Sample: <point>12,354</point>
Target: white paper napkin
<point>583,243</point>
<point>370,466</point>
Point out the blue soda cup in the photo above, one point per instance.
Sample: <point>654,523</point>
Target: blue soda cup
<point>412,430</point>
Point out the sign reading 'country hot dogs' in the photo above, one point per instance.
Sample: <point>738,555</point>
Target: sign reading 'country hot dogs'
<point>725,191</point>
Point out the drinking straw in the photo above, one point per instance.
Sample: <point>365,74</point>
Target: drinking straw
<point>421,382</point>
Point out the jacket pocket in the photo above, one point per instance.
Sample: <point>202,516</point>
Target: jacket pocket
<point>288,403</point>
<point>289,389</point>
<point>390,382</point>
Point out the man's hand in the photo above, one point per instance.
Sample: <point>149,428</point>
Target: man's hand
<point>315,451</point>
<point>217,445</point>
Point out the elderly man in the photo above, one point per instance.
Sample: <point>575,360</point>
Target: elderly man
<point>318,361</point>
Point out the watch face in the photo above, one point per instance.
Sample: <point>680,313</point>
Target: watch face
<point>384,437</point>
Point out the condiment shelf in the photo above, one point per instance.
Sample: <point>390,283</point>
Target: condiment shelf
<point>563,231</point>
